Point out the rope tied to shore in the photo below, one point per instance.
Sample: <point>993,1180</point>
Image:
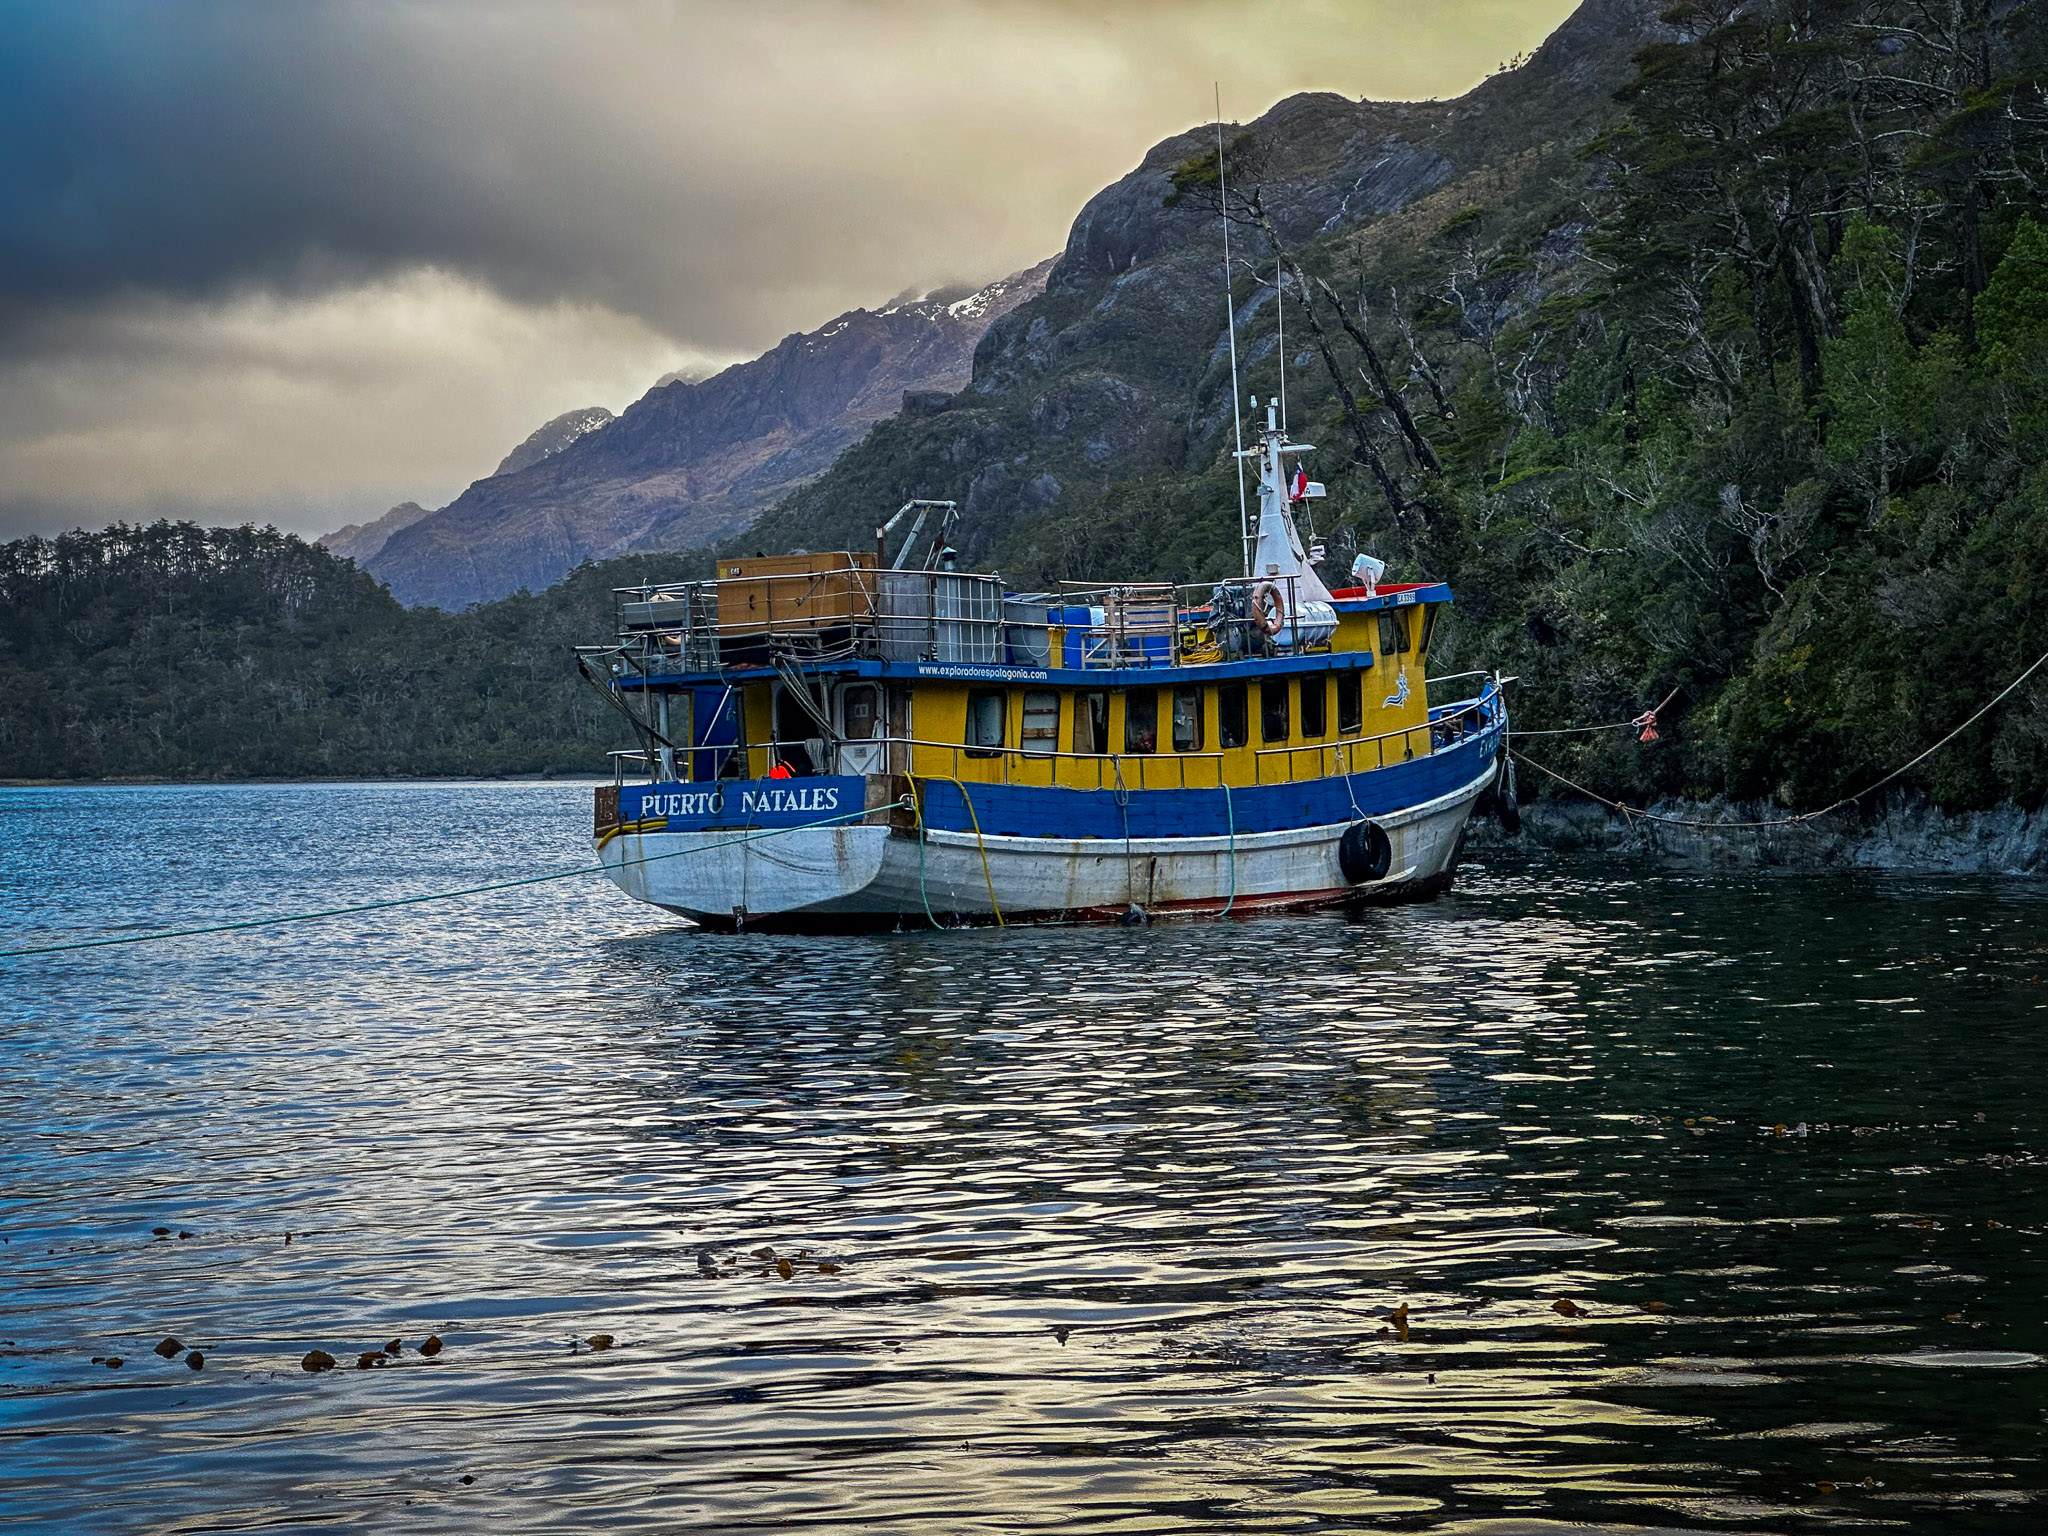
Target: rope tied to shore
<point>468,890</point>
<point>1648,722</point>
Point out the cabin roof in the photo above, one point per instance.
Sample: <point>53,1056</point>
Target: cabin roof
<point>1002,672</point>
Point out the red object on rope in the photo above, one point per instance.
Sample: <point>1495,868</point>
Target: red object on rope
<point>1648,718</point>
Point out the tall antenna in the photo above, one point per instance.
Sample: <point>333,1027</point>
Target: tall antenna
<point>1280,309</point>
<point>1244,521</point>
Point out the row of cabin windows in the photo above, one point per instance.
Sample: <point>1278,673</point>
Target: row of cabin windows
<point>1281,702</point>
<point>988,708</point>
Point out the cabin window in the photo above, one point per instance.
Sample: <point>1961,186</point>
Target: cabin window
<point>859,712</point>
<point>1141,720</point>
<point>985,710</point>
<point>1187,719</point>
<point>1350,704</point>
<point>1273,711</point>
<point>1393,633</point>
<point>1428,630</point>
<point>1315,708</point>
<point>1041,723</point>
<point>1233,729</point>
<point>1091,722</point>
<point>796,724</point>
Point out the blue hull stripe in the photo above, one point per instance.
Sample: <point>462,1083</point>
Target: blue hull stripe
<point>1017,810</point>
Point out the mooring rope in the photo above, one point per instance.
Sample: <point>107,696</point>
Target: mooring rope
<point>1230,819</point>
<point>917,809</point>
<point>413,901</point>
<point>1646,720</point>
<point>1804,817</point>
<point>980,846</point>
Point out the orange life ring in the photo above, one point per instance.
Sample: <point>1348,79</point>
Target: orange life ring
<point>1269,608</point>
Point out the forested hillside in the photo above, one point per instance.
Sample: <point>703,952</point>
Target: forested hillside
<point>1705,354</point>
<point>185,652</point>
<point>1720,373</point>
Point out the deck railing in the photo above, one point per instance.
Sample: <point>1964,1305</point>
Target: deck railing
<point>857,612</point>
<point>1295,762</point>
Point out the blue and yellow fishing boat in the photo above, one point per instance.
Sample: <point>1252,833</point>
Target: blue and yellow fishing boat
<point>835,741</point>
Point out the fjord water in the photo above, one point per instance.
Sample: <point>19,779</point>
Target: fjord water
<point>1078,1230</point>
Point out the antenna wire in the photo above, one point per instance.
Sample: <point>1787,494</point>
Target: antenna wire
<point>1244,522</point>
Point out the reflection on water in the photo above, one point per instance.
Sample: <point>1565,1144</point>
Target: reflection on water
<point>1712,1204</point>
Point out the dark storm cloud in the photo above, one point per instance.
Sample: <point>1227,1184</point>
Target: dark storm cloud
<point>393,237</point>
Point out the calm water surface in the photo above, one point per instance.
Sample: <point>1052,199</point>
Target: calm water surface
<point>1093,1231</point>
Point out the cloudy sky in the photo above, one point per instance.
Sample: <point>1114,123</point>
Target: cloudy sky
<point>297,262</point>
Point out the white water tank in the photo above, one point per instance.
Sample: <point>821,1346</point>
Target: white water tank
<point>1309,624</point>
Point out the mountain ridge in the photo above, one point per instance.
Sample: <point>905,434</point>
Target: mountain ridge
<point>691,462</point>
<point>1116,373</point>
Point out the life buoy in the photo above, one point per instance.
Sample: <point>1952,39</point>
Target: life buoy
<point>1269,608</point>
<point>1364,853</point>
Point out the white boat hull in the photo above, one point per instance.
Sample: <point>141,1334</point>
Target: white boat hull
<point>875,875</point>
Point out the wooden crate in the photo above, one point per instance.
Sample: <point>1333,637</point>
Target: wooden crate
<point>793,594</point>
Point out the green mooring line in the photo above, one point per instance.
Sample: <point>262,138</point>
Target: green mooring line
<point>413,901</point>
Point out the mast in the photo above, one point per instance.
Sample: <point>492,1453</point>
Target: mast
<point>1280,312</point>
<point>1244,522</point>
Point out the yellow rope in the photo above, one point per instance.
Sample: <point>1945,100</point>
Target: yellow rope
<point>982,849</point>
<point>980,846</point>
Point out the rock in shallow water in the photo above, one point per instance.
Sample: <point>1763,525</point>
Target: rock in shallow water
<point>317,1360</point>
<point>170,1349</point>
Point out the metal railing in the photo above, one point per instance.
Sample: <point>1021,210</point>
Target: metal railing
<point>854,611</point>
<point>1039,767</point>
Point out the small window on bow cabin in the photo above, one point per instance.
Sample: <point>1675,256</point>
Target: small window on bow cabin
<point>1350,704</point>
<point>1273,710</point>
<point>1233,728</point>
<point>1393,633</point>
<point>1091,723</point>
<point>1428,630</point>
<point>1187,719</point>
<point>985,710</point>
<point>1315,707</point>
<point>1041,736</point>
<point>858,712</point>
<point>1141,720</point>
<point>795,724</point>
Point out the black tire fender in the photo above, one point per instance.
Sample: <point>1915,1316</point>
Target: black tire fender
<point>1505,808</point>
<point>1364,853</point>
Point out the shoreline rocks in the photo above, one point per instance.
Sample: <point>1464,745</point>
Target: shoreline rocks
<point>1902,836</point>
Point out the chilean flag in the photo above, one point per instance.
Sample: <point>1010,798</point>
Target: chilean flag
<point>1300,484</point>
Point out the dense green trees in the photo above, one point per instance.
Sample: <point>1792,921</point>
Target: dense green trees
<point>1750,406</point>
<point>178,651</point>
<point>1744,395</point>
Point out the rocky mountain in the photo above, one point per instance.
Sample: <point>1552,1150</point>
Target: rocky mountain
<point>554,437</point>
<point>360,541</point>
<point>1118,373</point>
<point>1712,389</point>
<point>689,463</point>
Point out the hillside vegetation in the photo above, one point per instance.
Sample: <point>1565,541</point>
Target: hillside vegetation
<point>1705,354</point>
<point>185,652</point>
<point>1733,387</point>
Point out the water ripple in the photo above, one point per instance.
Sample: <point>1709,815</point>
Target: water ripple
<point>1589,1198</point>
